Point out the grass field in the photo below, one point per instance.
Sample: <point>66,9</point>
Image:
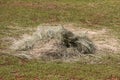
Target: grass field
<point>12,68</point>
<point>18,17</point>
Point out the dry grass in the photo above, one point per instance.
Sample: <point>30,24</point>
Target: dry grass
<point>68,43</point>
<point>53,42</point>
<point>104,38</point>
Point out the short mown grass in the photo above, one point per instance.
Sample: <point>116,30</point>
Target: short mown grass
<point>34,12</point>
<point>18,17</point>
<point>12,68</point>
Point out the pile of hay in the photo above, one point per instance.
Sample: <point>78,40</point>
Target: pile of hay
<point>53,42</point>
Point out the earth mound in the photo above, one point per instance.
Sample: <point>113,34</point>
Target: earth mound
<point>53,42</point>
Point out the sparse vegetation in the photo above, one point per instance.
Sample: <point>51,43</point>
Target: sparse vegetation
<point>62,43</point>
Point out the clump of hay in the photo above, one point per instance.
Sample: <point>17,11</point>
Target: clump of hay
<point>54,42</point>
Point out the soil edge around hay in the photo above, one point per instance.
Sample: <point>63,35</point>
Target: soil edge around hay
<point>53,42</point>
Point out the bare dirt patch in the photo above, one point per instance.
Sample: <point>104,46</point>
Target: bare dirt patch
<point>54,42</point>
<point>104,41</point>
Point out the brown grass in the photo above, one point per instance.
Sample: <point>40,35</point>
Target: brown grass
<point>53,42</point>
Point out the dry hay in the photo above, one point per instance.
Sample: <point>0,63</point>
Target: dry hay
<point>53,42</point>
<point>104,39</point>
<point>48,43</point>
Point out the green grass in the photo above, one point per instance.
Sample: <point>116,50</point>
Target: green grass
<point>12,68</point>
<point>27,13</point>
<point>34,12</point>
<point>23,14</point>
<point>18,17</point>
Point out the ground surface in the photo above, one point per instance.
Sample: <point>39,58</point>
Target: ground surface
<point>18,17</point>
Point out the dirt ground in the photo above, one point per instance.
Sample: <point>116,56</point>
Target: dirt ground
<point>104,40</point>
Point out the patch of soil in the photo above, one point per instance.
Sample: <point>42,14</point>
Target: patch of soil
<point>105,43</point>
<point>104,40</point>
